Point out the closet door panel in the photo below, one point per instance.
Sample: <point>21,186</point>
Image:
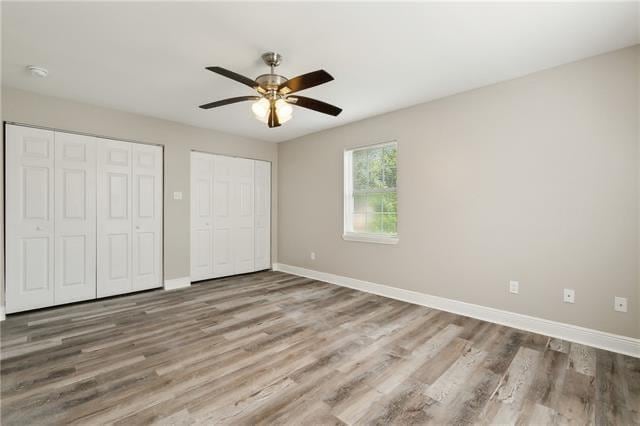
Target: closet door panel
<point>201,216</point>
<point>75,218</point>
<point>147,216</point>
<point>29,218</point>
<point>240,211</point>
<point>114,218</point>
<point>223,216</point>
<point>243,215</point>
<point>262,215</point>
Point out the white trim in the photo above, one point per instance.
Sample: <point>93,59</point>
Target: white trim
<point>3,316</point>
<point>177,283</point>
<point>573,333</point>
<point>370,238</point>
<point>347,203</point>
<point>93,135</point>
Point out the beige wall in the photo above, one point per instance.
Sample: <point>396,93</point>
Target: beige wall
<point>178,140</point>
<point>534,179</point>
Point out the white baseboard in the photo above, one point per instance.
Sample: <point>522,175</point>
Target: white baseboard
<point>573,333</point>
<point>176,283</point>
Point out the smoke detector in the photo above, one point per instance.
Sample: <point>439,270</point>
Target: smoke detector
<point>38,71</point>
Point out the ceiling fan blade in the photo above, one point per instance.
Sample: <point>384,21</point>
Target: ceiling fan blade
<point>273,117</point>
<point>305,81</point>
<point>314,104</point>
<point>229,101</point>
<point>234,76</point>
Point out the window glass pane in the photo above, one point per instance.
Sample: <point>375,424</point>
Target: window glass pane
<point>390,223</point>
<point>359,222</point>
<point>390,177</point>
<point>360,170</point>
<point>374,200</point>
<point>374,223</point>
<point>375,168</point>
<point>389,202</point>
<point>359,203</point>
<point>389,166</point>
<point>375,203</point>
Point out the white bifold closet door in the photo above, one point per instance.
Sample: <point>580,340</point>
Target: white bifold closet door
<point>223,215</point>
<point>114,218</point>
<point>29,218</point>
<point>262,173</point>
<point>75,218</point>
<point>201,216</point>
<point>230,215</point>
<point>129,217</point>
<point>242,209</point>
<point>83,217</point>
<point>147,216</point>
<point>51,218</point>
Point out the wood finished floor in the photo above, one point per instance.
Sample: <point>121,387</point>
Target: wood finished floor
<point>272,348</point>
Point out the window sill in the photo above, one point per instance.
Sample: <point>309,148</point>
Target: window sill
<point>370,238</point>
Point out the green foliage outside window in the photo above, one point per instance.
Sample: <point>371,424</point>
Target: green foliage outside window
<point>375,203</point>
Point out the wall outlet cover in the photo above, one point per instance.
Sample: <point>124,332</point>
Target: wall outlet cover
<point>514,287</point>
<point>569,295</point>
<point>177,195</point>
<point>312,255</point>
<point>620,304</point>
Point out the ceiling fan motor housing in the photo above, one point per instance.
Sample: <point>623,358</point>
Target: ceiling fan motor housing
<point>270,81</point>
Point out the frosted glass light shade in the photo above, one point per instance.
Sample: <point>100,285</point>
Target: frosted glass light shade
<point>284,111</point>
<point>261,109</point>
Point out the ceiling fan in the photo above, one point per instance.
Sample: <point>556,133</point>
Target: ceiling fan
<point>275,92</point>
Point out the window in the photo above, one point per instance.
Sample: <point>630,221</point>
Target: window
<point>370,198</point>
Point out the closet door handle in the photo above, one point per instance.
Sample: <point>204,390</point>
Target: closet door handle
<point>138,227</point>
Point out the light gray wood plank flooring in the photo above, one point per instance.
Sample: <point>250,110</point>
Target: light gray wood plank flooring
<point>272,348</point>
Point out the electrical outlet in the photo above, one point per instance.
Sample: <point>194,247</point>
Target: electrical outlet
<point>312,255</point>
<point>514,287</point>
<point>177,195</point>
<point>569,295</point>
<point>620,304</point>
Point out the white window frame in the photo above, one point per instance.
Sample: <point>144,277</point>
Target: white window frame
<point>364,237</point>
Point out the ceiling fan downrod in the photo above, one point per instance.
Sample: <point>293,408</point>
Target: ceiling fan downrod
<point>270,82</point>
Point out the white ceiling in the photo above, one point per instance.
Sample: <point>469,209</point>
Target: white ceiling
<point>149,57</point>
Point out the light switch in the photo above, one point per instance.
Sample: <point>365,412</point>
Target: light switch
<point>177,195</point>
